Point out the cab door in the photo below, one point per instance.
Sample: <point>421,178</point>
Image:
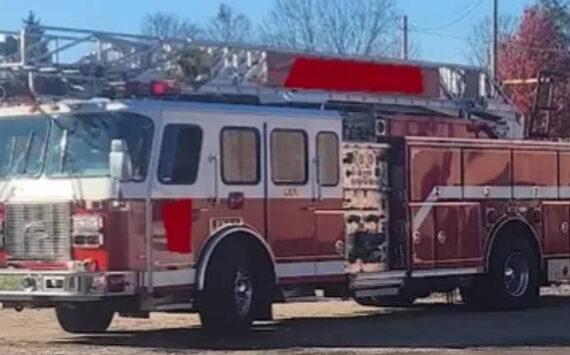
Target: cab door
<point>241,185</point>
<point>329,216</point>
<point>290,190</point>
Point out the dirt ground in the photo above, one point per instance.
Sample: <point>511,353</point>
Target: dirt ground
<point>334,327</point>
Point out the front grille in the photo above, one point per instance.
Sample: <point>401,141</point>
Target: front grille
<point>38,231</point>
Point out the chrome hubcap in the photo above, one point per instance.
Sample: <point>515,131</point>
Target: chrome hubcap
<point>243,292</point>
<point>516,274</point>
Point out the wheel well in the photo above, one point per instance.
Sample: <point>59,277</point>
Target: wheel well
<point>520,229</point>
<point>254,245</point>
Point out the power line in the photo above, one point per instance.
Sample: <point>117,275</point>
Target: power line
<point>503,43</point>
<point>474,5</point>
<point>436,33</point>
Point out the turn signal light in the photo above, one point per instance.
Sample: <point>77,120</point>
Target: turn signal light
<point>1,232</point>
<point>116,283</point>
<point>1,226</point>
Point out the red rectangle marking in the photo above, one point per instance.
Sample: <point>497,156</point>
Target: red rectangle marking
<point>177,219</point>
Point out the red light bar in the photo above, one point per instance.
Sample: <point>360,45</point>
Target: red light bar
<point>354,76</point>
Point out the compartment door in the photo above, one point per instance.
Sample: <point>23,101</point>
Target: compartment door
<point>422,239</point>
<point>556,239</point>
<point>458,237</point>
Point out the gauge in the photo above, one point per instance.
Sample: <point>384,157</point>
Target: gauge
<point>360,159</point>
<point>370,158</point>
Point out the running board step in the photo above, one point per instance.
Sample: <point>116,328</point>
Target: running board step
<point>175,307</point>
<point>377,292</point>
<point>377,280</point>
<point>135,315</point>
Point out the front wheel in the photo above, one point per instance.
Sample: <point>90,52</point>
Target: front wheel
<point>236,290</point>
<point>81,318</point>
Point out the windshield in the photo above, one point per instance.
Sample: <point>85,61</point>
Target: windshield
<point>79,145</point>
<point>22,142</point>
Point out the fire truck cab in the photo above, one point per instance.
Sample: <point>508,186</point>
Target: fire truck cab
<point>104,199</point>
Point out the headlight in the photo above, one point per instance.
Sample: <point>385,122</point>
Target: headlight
<point>1,233</point>
<point>87,231</point>
<point>98,284</point>
<point>87,223</point>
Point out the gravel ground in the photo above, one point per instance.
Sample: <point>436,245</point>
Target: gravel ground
<point>432,327</point>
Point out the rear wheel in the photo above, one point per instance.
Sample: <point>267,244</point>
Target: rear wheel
<point>80,318</point>
<point>236,290</point>
<point>513,277</point>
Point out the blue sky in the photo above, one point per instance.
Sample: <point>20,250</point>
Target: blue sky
<point>125,16</point>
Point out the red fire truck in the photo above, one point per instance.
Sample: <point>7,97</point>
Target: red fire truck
<point>252,176</point>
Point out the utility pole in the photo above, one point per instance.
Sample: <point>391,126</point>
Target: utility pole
<point>495,44</point>
<point>405,37</point>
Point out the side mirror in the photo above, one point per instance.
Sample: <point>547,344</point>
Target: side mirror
<point>120,164</point>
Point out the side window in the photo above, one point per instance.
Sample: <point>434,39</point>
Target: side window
<point>289,157</point>
<point>180,154</point>
<point>328,155</point>
<point>240,149</point>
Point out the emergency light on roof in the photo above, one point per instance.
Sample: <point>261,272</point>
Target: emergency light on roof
<point>159,88</point>
<point>156,88</point>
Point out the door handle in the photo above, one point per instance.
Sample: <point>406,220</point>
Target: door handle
<point>201,210</point>
<point>213,159</point>
<point>317,180</point>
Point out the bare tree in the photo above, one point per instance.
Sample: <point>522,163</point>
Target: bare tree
<point>361,27</point>
<point>358,27</point>
<point>227,26</point>
<point>560,12</point>
<point>292,24</point>
<point>394,48</point>
<point>168,25</point>
<point>479,41</point>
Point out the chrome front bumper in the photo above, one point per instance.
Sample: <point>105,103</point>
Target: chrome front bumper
<point>27,286</point>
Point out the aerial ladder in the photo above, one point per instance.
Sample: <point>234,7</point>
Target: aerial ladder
<point>78,63</point>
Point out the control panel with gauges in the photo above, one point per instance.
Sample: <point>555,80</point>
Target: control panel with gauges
<point>365,204</point>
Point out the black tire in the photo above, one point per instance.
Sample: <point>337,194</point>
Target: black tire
<point>81,318</point>
<point>238,289</point>
<point>513,278</point>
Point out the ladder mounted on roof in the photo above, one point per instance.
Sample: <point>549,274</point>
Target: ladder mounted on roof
<point>69,62</point>
<point>544,103</point>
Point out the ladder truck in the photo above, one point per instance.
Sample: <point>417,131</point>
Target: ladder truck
<point>174,175</point>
